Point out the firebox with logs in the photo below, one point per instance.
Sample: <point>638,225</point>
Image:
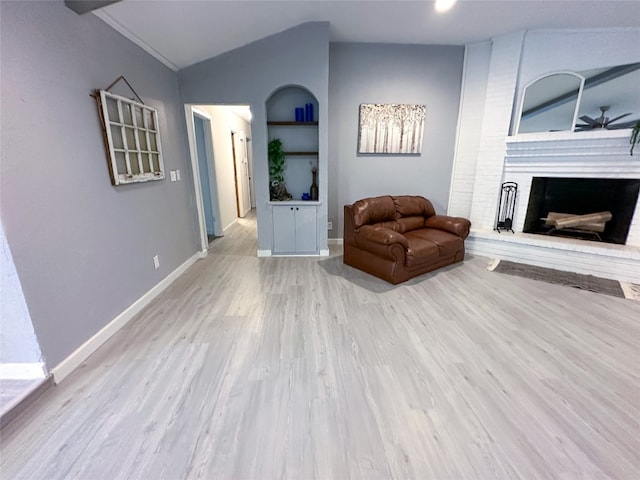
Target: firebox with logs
<point>591,224</point>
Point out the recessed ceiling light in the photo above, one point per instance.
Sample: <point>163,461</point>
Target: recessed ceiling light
<point>444,5</point>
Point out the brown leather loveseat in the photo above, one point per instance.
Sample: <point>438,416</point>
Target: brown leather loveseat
<point>397,238</point>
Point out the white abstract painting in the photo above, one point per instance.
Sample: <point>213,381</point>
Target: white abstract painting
<point>391,128</point>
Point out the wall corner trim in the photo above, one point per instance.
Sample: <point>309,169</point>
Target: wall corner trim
<point>73,361</point>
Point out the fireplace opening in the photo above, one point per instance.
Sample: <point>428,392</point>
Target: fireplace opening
<point>597,209</point>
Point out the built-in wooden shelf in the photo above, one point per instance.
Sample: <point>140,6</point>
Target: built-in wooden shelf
<point>293,124</point>
<point>301,154</point>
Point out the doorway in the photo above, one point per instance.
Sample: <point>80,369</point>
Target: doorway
<point>220,153</point>
<point>201,125</point>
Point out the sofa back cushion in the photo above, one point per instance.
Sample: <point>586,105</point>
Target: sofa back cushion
<point>412,206</point>
<point>373,210</point>
<point>406,224</point>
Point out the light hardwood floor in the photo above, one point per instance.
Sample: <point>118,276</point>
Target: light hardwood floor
<point>10,390</point>
<point>306,368</point>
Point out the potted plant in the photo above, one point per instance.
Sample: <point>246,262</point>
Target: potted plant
<point>635,136</point>
<point>277,188</point>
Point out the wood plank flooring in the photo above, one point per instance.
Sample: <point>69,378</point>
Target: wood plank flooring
<point>303,368</point>
<point>11,390</point>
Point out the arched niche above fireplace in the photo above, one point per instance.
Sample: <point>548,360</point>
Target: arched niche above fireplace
<point>607,98</point>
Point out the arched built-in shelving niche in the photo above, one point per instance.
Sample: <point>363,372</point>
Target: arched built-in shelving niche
<point>299,138</point>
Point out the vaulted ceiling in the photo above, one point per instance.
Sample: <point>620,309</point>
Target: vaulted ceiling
<point>181,33</point>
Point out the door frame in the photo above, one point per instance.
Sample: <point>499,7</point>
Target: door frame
<point>236,178</point>
<point>190,111</point>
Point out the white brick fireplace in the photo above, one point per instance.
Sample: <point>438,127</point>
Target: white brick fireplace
<point>496,74</point>
<point>596,154</point>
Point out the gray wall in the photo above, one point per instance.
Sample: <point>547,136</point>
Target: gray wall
<point>381,73</point>
<point>82,248</point>
<point>249,75</point>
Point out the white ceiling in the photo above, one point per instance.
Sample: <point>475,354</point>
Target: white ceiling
<point>181,33</point>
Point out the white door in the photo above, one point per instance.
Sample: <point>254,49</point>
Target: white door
<point>241,173</point>
<point>245,191</point>
<point>284,229</point>
<point>306,229</point>
<point>252,187</point>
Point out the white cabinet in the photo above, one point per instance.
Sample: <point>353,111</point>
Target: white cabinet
<point>295,229</point>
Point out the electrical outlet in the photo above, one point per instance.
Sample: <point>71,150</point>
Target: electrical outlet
<point>329,225</point>
<point>156,262</point>
<point>177,174</point>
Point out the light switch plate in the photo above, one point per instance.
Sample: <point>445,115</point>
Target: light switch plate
<point>172,174</point>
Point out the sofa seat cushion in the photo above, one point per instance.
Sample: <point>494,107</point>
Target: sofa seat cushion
<point>447,243</point>
<point>420,251</point>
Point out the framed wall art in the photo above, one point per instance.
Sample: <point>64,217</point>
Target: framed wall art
<point>132,137</point>
<point>391,128</point>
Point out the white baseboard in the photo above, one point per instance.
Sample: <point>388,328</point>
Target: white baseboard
<point>74,360</point>
<point>335,241</point>
<point>230,225</point>
<point>22,371</point>
<point>269,253</point>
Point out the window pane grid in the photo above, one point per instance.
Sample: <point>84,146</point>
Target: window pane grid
<point>133,140</point>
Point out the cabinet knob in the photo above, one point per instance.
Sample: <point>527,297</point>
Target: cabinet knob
<point>291,208</point>
<point>297,208</point>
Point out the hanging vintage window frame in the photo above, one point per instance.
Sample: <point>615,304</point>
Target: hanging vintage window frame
<point>133,139</point>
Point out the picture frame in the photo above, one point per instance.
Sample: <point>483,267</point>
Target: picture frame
<point>391,128</point>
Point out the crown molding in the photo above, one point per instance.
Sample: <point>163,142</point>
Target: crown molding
<point>118,27</point>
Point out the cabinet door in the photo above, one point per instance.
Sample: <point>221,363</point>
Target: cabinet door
<point>306,229</point>
<point>284,231</point>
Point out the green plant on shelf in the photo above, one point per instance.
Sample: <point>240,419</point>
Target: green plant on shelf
<point>277,187</point>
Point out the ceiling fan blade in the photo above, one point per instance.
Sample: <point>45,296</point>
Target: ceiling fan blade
<point>619,126</point>
<point>589,121</point>
<point>618,118</point>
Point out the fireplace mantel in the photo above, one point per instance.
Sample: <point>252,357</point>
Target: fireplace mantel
<point>594,153</point>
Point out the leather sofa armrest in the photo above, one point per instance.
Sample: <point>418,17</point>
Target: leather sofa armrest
<point>380,235</point>
<point>457,225</point>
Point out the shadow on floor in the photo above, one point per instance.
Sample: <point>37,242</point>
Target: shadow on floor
<point>335,266</point>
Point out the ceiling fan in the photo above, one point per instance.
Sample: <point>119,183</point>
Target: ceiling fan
<point>603,122</point>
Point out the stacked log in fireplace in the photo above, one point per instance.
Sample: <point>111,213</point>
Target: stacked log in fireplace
<point>566,223</point>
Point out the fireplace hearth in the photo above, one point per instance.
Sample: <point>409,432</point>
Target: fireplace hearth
<point>563,206</point>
